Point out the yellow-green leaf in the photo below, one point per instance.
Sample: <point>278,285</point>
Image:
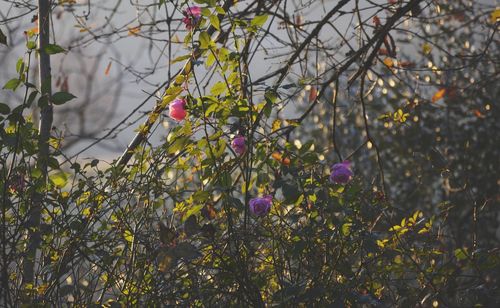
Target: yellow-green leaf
<point>218,88</point>
<point>181,58</point>
<point>259,21</point>
<point>204,40</point>
<point>129,236</point>
<point>59,179</point>
<point>495,16</point>
<point>214,21</point>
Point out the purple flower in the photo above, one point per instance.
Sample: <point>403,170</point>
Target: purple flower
<point>238,145</point>
<point>260,206</point>
<point>191,16</point>
<point>341,173</point>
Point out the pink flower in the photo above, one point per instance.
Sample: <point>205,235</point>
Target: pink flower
<point>260,206</point>
<point>238,145</point>
<point>341,173</point>
<point>178,109</point>
<point>192,16</point>
<point>17,183</point>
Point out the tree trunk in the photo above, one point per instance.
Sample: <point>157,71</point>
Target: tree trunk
<point>34,236</point>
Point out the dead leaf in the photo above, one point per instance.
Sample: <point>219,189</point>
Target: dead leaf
<point>299,21</point>
<point>166,260</point>
<point>208,211</point>
<point>478,113</point>
<point>383,52</point>
<point>134,31</point>
<point>176,39</point>
<point>279,157</point>
<point>313,93</point>
<point>388,62</point>
<point>406,64</point>
<point>32,32</point>
<point>65,85</point>
<point>106,72</point>
<point>439,95</point>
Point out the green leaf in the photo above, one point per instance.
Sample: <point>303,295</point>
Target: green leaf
<point>31,45</point>
<point>60,98</point>
<point>20,66</point>
<point>211,108</point>
<point>201,196</point>
<point>12,84</point>
<point>31,98</point>
<point>267,109</point>
<point>193,210</point>
<point>129,236</point>
<point>181,58</point>
<point>59,179</point>
<point>218,88</point>
<point>43,101</point>
<point>291,192</point>
<point>270,96</point>
<point>460,254</point>
<point>259,21</point>
<point>36,173</point>
<point>191,226</point>
<point>187,38</point>
<point>205,11</point>
<point>186,129</point>
<point>346,228</point>
<point>53,49</point>
<point>178,144</point>
<point>204,40</point>
<point>167,234</point>
<point>214,21</point>
<point>53,163</point>
<point>210,59</point>
<point>173,90</point>
<point>220,10</point>
<point>221,147</point>
<point>3,38</point>
<point>4,108</point>
<point>186,251</point>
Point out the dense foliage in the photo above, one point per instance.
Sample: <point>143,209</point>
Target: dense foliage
<point>360,170</point>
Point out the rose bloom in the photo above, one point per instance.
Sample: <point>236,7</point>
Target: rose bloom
<point>17,183</point>
<point>260,206</point>
<point>341,173</point>
<point>178,109</point>
<point>191,16</point>
<point>238,144</point>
